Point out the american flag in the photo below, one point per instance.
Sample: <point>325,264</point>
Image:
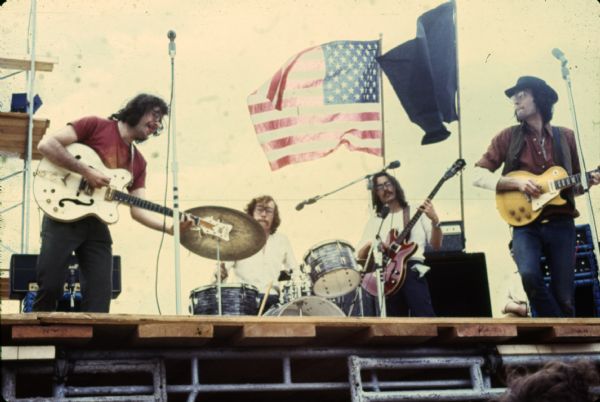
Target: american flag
<point>321,98</point>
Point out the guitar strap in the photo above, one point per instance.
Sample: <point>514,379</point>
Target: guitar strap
<point>132,156</point>
<point>406,218</point>
<point>562,155</point>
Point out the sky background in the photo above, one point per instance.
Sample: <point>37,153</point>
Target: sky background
<point>109,51</point>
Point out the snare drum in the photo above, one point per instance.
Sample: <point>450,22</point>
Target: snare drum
<point>333,268</point>
<point>237,299</point>
<point>307,306</point>
<point>298,286</point>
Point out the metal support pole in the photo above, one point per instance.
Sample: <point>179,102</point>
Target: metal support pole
<point>25,208</point>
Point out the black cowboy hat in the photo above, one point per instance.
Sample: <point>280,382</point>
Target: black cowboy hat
<point>537,84</point>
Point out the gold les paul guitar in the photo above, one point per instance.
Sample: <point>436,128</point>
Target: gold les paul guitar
<point>66,196</point>
<point>519,209</point>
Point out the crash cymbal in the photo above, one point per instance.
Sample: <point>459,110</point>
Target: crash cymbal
<point>245,238</point>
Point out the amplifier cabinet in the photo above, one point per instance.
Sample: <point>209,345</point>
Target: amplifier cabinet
<point>23,277</point>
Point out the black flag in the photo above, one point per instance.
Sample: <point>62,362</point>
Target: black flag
<point>422,72</point>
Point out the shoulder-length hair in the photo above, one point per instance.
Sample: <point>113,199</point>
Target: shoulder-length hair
<point>138,107</point>
<point>264,199</point>
<point>544,105</point>
<point>400,197</point>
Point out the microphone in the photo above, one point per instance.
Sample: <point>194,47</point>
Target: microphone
<point>392,165</point>
<point>307,202</point>
<point>556,52</point>
<point>171,35</point>
<point>384,212</point>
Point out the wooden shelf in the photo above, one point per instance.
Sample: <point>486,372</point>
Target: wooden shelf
<point>23,63</point>
<point>13,134</point>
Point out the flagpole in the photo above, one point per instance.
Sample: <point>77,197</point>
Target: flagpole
<point>380,78</point>
<point>458,111</point>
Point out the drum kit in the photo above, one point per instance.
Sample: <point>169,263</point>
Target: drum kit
<point>326,278</point>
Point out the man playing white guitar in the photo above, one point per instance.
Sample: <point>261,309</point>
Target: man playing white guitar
<point>543,222</point>
<point>89,237</point>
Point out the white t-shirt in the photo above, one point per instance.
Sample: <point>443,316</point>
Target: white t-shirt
<point>420,233</point>
<point>265,266</point>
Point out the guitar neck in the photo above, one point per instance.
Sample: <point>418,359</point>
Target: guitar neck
<point>125,198</point>
<point>572,180</point>
<point>413,221</point>
<point>128,199</point>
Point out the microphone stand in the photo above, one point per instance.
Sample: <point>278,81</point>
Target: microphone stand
<point>175,170</point>
<point>379,270</point>
<point>218,293</point>
<point>584,180</point>
<point>316,198</point>
<point>71,285</point>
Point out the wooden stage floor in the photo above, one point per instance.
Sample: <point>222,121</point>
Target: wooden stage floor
<point>131,331</point>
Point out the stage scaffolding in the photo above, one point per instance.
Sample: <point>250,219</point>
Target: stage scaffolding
<point>286,374</point>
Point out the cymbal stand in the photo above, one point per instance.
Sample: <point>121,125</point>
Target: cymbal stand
<point>357,295</point>
<point>218,293</point>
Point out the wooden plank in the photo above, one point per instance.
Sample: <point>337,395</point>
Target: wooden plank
<point>28,352</point>
<point>585,333</point>
<point>478,332</point>
<point>8,134</point>
<point>52,332</point>
<point>394,333</point>
<point>547,349</point>
<point>4,288</point>
<point>275,334</point>
<point>24,63</point>
<point>187,333</point>
<point>13,134</point>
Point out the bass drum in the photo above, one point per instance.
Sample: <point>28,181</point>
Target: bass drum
<point>311,306</point>
<point>237,299</point>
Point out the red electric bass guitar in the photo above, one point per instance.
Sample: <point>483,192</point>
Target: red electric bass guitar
<point>397,250</point>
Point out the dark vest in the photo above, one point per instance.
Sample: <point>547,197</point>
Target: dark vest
<point>561,155</point>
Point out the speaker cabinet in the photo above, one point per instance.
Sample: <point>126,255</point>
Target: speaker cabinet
<point>458,284</point>
<point>453,240</point>
<point>23,277</point>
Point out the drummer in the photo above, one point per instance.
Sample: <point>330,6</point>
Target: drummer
<point>262,270</point>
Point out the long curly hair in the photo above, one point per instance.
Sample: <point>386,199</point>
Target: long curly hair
<point>556,381</point>
<point>138,107</point>
<point>264,199</point>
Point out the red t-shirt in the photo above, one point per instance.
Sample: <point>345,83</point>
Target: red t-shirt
<point>102,135</point>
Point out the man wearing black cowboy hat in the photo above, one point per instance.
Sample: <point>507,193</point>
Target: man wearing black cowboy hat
<point>534,146</point>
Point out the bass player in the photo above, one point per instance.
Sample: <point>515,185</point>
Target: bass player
<point>113,140</point>
<point>534,146</point>
<point>412,298</point>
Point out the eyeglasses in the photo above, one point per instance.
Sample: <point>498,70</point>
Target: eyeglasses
<point>261,210</point>
<point>519,96</point>
<point>157,116</point>
<point>381,186</point>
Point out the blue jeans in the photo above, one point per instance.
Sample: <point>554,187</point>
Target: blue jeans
<point>554,239</point>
